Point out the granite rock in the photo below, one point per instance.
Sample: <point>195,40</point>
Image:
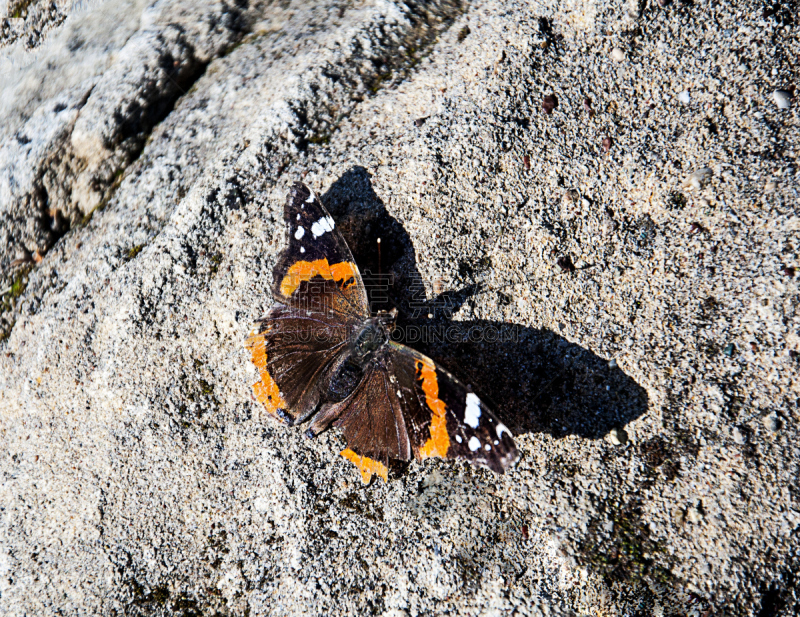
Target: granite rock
<point>139,475</point>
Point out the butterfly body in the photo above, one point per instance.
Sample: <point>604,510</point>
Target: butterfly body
<point>322,357</point>
<point>365,350</point>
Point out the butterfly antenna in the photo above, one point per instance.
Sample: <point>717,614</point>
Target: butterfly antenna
<point>379,258</point>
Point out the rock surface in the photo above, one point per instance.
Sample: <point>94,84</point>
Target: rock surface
<point>142,179</point>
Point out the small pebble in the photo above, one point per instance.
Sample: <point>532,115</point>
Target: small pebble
<point>729,350</point>
<point>789,271</point>
<point>684,97</point>
<point>771,422</point>
<point>699,178</point>
<point>617,55</point>
<point>606,144</point>
<point>693,515</point>
<point>572,196</point>
<point>678,516</point>
<point>618,436</point>
<point>738,436</point>
<point>782,99</point>
<point>770,187</point>
<point>549,103</point>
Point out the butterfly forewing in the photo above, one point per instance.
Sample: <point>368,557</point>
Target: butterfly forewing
<point>316,270</point>
<point>444,418</point>
<point>373,425</point>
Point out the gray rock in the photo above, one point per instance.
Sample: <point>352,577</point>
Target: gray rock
<point>68,156</point>
<point>139,476</point>
<point>618,436</point>
<point>694,515</point>
<point>772,423</point>
<point>618,55</point>
<point>782,99</point>
<point>699,178</point>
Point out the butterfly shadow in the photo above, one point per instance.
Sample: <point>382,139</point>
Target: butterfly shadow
<point>535,380</point>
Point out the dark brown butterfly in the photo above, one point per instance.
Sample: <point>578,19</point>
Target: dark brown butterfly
<point>322,357</point>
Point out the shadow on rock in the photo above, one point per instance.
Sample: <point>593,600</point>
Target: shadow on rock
<point>536,380</point>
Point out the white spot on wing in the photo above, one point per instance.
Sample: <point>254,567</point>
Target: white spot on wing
<point>302,249</point>
<point>501,428</point>
<point>299,233</point>
<point>488,447</point>
<point>474,443</point>
<point>399,394</point>
<point>321,226</point>
<point>298,216</point>
<point>473,413</point>
<point>458,438</point>
<point>311,197</point>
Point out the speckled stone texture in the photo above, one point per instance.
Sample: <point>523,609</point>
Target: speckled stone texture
<point>607,191</point>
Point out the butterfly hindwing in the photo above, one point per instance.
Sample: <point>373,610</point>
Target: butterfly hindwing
<point>316,270</point>
<point>373,426</point>
<point>293,350</point>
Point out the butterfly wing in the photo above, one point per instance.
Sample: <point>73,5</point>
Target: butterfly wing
<point>371,420</point>
<point>316,271</point>
<point>444,418</point>
<point>411,408</point>
<point>293,350</point>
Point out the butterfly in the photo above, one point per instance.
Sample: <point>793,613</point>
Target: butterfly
<point>322,357</point>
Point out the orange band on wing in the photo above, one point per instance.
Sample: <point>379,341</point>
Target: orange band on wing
<point>306,270</point>
<point>439,441</point>
<point>266,390</point>
<point>366,466</point>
